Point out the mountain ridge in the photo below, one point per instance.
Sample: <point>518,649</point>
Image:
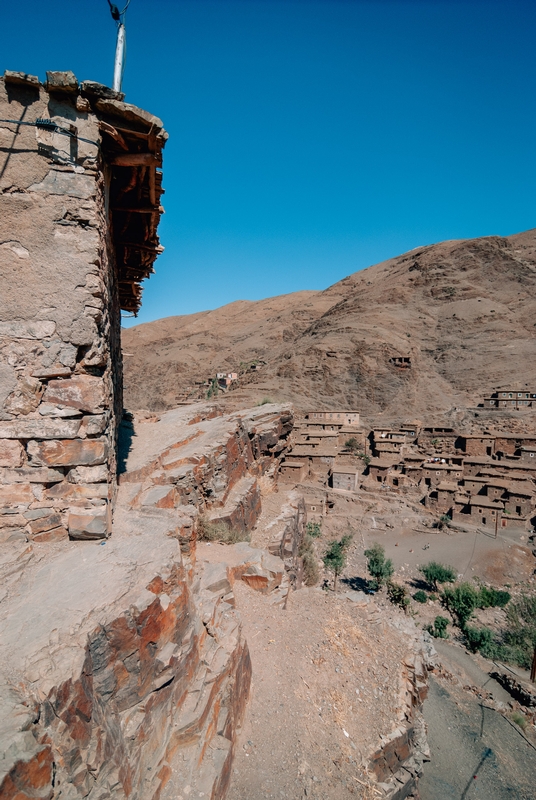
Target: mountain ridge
<point>463,312</point>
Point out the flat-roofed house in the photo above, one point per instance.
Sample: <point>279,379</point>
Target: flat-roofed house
<point>345,477</point>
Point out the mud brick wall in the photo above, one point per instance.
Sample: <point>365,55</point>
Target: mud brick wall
<point>60,303</point>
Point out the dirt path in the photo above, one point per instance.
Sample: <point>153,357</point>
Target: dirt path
<point>476,752</point>
<point>325,686</point>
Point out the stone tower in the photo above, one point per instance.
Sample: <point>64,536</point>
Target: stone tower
<point>80,187</point>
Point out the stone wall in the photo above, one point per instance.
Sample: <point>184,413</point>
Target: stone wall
<point>66,273</point>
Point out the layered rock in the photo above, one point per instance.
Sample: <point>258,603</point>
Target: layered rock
<point>124,669</point>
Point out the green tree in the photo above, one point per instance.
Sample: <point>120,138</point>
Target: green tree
<point>461,601</point>
<point>398,595</point>
<point>352,444</point>
<point>437,573</point>
<point>379,567</point>
<point>336,556</point>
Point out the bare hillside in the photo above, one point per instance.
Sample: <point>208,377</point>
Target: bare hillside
<point>463,312</point>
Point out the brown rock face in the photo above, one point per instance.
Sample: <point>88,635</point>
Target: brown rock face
<point>83,392</point>
<point>11,453</point>
<point>69,452</point>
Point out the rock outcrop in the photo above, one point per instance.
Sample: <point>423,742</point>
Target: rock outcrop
<point>124,669</point>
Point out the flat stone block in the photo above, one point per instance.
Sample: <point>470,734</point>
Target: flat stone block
<point>11,453</point>
<point>77,491</point>
<point>55,535</point>
<point>44,523</point>
<point>83,392</point>
<point>43,428</point>
<point>15,495</point>
<point>69,452</point>
<point>31,475</point>
<point>63,82</point>
<point>21,78</point>
<point>88,524</point>
<point>96,474</point>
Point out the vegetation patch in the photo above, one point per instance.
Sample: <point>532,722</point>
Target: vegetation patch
<point>336,556</point>
<point>379,567</point>
<point>220,532</point>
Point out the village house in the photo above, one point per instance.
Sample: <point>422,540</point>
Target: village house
<point>349,418</point>
<point>438,439</point>
<point>510,399</point>
<point>293,472</point>
<point>380,468</point>
<point>528,454</point>
<point>403,362</point>
<point>437,472</point>
<point>477,444</point>
<point>442,497</point>
<point>345,477</point>
<point>315,504</point>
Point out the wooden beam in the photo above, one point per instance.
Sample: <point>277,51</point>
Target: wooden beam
<point>136,160</point>
<point>151,248</point>
<point>105,127</point>
<point>140,209</point>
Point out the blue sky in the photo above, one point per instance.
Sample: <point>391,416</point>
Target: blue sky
<point>308,139</point>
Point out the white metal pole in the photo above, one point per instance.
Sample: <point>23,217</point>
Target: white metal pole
<point>119,57</point>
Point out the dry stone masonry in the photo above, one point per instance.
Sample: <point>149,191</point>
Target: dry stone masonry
<point>80,204</point>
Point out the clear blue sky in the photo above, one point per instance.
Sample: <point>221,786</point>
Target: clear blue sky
<point>310,139</point>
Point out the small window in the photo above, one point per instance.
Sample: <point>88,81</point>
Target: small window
<point>520,394</point>
<point>483,520</point>
<point>510,394</point>
<point>504,523</point>
<point>518,510</point>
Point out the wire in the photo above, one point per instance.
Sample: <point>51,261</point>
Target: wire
<point>116,14</point>
<point>50,125</point>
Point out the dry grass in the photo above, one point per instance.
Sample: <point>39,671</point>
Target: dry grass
<point>219,532</point>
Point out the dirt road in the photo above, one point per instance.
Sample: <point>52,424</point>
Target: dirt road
<point>476,752</point>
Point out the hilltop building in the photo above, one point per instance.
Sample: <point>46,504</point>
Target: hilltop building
<point>80,189</point>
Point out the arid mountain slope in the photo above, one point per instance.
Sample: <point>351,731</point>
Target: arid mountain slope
<point>464,312</point>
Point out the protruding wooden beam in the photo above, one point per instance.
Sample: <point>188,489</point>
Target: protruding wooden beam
<point>136,160</point>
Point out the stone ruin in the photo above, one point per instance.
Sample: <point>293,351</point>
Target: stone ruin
<point>80,183</point>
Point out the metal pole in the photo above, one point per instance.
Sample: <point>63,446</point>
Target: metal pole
<point>496,522</point>
<point>533,669</point>
<point>119,57</point>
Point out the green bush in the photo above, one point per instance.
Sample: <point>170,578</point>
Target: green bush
<point>420,596</point>
<point>314,529</point>
<point>492,598</point>
<point>461,601</point>
<point>435,574</point>
<point>398,595</point>
<point>479,639</point>
<point>379,567</point>
<point>439,628</point>
<point>335,557</point>
<point>352,444</point>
